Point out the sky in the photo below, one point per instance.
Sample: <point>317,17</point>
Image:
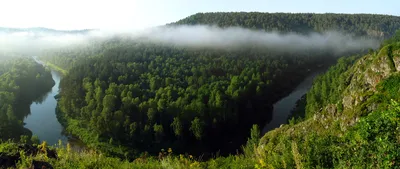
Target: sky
<point>139,14</point>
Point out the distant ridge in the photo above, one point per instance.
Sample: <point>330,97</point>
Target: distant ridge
<point>44,30</point>
<point>372,25</point>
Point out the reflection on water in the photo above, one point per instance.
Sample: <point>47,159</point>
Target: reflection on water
<point>42,120</point>
<point>283,107</point>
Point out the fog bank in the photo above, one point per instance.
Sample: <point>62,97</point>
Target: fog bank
<point>194,36</point>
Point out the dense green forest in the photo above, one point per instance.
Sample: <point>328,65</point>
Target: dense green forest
<point>357,24</point>
<point>332,138</point>
<point>148,97</point>
<point>124,96</point>
<point>130,101</point>
<point>22,81</point>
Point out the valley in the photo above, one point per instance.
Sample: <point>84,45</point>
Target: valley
<point>167,99</point>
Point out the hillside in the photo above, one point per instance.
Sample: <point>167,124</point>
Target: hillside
<point>359,24</point>
<point>352,118</point>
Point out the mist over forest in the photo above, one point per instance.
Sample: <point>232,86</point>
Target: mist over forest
<point>199,36</point>
<point>212,90</point>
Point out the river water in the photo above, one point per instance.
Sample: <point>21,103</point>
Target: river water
<point>42,120</point>
<point>283,107</point>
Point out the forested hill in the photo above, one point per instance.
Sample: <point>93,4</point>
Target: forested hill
<point>148,102</point>
<point>22,81</point>
<point>126,97</point>
<point>352,121</point>
<point>352,118</point>
<point>358,24</point>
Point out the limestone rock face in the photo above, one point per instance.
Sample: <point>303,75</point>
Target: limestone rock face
<point>367,73</point>
<point>348,101</point>
<point>331,109</point>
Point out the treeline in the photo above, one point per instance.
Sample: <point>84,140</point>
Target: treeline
<point>358,24</point>
<point>22,81</point>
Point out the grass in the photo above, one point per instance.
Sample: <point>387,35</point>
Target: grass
<point>57,68</point>
<point>67,158</point>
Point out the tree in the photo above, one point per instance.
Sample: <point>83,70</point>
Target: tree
<point>177,126</point>
<point>254,136</point>
<point>197,128</point>
<point>158,131</point>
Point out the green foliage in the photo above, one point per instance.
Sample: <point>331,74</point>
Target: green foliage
<point>132,87</point>
<point>35,140</point>
<point>371,143</point>
<point>252,142</point>
<point>56,68</point>
<point>91,159</point>
<point>374,141</point>
<point>359,24</point>
<point>328,88</point>
<point>197,128</point>
<point>22,81</point>
<point>394,39</point>
<point>122,96</point>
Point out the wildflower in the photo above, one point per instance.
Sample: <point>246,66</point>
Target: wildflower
<point>190,156</point>
<point>195,165</point>
<point>68,147</point>
<point>43,146</point>
<point>262,163</point>
<point>169,150</point>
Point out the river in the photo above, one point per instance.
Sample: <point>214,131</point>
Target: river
<point>42,120</point>
<point>283,107</point>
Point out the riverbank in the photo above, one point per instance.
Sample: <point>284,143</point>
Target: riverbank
<point>56,68</point>
<point>283,108</point>
<point>23,82</point>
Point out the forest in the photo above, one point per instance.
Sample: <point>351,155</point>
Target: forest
<point>22,81</point>
<point>138,104</point>
<point>326,140</point>
<point>136,96</point>
<point>382,26</point>
<point>151,97</point>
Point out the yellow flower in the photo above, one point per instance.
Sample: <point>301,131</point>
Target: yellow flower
<point>43,145</point>
<point>262,163</point>
<point>195,165</point>
<point>68,147</point>
<point>169,150</point>
<point>190,156</point>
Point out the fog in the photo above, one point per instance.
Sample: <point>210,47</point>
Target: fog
<point>193,36</point>
<point>212,36</point>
